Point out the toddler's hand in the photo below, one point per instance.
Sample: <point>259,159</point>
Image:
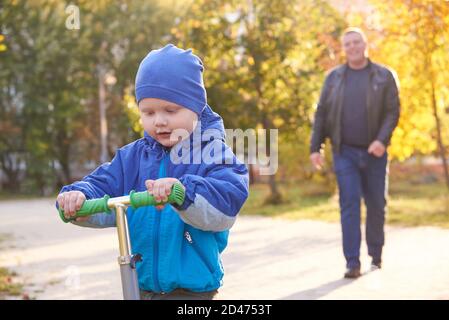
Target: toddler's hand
<point>161,188</point>
<point>71,202</point>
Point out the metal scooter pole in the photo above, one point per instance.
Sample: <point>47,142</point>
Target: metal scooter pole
<point>126,261</point>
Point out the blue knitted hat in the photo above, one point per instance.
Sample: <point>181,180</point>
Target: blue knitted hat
<point>172,74</point>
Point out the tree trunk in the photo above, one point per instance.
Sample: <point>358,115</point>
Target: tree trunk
<point>104,156</point>
<point>252,176</point>
<point>275,196</point>
<point>12,171</point>
<point>439,135</point>
<point>63,154</point>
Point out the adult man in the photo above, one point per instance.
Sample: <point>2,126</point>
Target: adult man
<point>358,110</point>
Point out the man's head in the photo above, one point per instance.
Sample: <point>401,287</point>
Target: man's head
<point>170,92</point>
<point>354,44</point>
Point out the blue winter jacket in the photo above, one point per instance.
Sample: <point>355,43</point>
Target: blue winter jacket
<point>180,246</point>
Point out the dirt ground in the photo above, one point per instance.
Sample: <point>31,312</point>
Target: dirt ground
<point>265,259</point>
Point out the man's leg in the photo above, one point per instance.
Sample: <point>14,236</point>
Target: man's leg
<point>349,185</point>
<point>375,189</point>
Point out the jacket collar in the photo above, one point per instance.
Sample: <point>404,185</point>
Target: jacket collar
<point>344,67</point>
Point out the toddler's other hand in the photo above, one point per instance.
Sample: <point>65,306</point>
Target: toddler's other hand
<point>161,188</point>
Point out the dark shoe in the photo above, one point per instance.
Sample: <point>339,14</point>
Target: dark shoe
<point>352,273</point>
<point>376,264</point>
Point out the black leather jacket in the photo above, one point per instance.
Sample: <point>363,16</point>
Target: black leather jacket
<point>382,103</point>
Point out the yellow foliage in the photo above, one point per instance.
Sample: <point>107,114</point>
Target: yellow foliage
<point>278,122</point>
<point>413,42</point>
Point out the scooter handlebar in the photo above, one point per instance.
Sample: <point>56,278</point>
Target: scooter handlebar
<point>135,199</point>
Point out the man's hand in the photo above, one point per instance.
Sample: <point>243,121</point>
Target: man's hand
<point>376,148</point>
<point>317,160</point>
<point>161,188</point>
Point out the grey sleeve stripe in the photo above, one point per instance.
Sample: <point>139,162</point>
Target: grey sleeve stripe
<point>202,215</point>
<point>99,221</point>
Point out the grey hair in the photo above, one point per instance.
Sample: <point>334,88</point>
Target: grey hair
<point>354,30</point>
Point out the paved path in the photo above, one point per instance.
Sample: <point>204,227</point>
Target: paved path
<point>265,259</point>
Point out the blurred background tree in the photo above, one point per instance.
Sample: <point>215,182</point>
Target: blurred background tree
<point>50,78</point>
<point>411,37</point>
<point>414,41</point>
<point>265,65</point>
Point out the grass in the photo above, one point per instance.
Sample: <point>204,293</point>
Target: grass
<point>419,204</point>
<point>7,286</point>
<point>409,204</point>
<point>300,203</point>
<point>4,236</point>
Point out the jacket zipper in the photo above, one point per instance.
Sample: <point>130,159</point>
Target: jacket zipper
<point>157,286</point>
<point>198,252</point>
<point>156,232</point>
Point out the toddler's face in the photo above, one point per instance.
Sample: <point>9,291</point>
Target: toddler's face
<point>160,118</point>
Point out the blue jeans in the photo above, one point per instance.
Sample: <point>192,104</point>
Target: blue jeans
<point>360,174</point>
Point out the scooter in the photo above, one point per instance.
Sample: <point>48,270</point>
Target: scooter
<point>126,261</point>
